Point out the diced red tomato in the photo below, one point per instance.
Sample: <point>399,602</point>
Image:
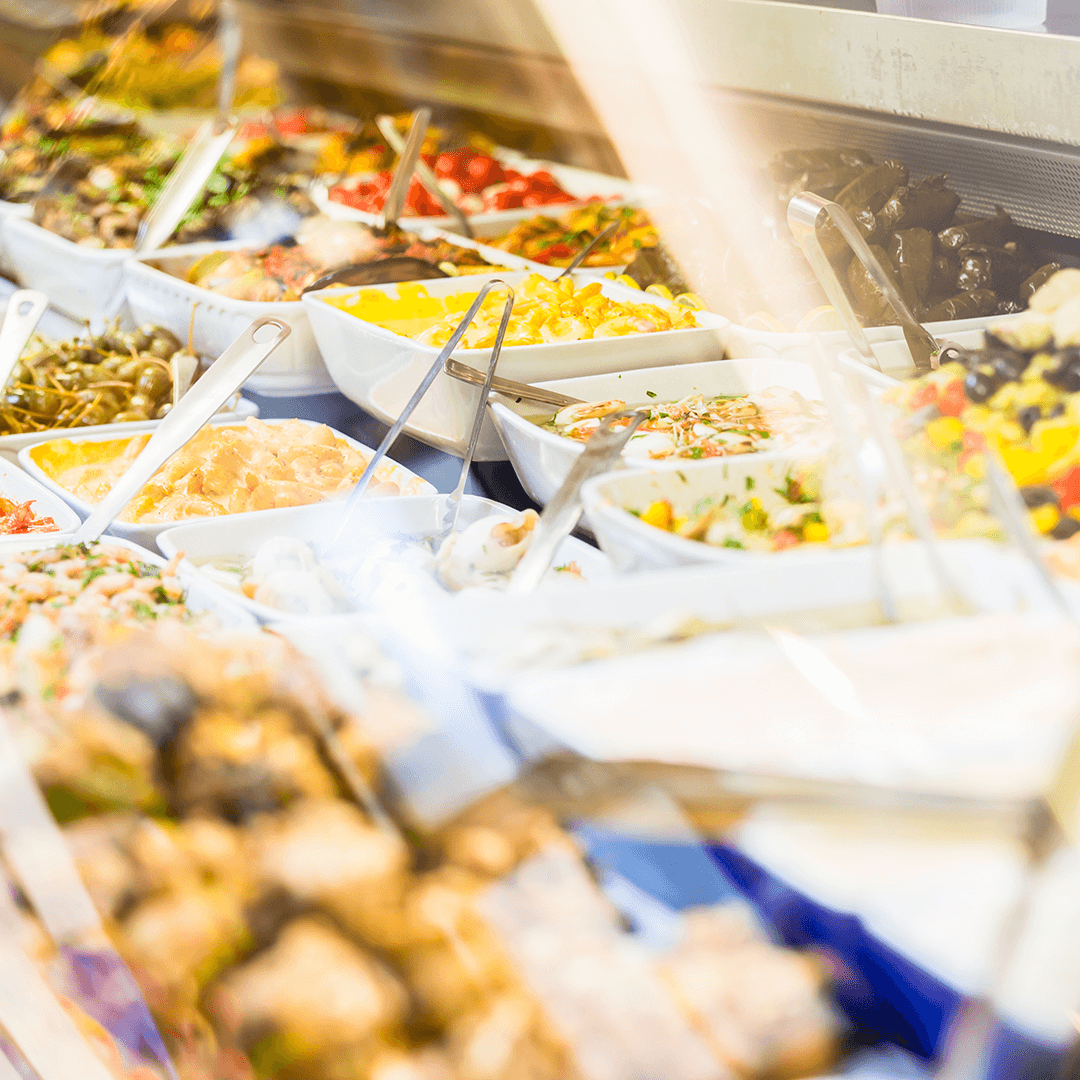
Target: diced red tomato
<point>785,538</point>
<point>925,395</point>
<point>1068,488</point>
<point>951,400</point>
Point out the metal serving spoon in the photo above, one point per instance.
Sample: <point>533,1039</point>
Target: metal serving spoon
<point>379,272</point>
<point>17,328</point>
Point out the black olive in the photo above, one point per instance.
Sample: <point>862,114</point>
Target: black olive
<point>978,386</point>
<point>1058,410</point>
<point>1065,528</point>
<point>1007,370</point>
<point>1067,373</point>
<point>1028,417</point>
<point>1038,496</point>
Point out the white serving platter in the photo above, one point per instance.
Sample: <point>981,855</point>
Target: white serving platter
<point>408,517</point>
<point>379,369</point>
<point>157,293</point>
<point>632,544</point>
<point>146,534</point>
<point>542,458</point>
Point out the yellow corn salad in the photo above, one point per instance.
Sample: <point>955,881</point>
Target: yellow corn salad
<point>544,311</point>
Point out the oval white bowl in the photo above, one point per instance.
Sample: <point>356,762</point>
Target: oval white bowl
<point>542,459</point>
<point>379,370</point>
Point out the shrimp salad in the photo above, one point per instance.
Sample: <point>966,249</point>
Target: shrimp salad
<point>71,583</point>
<point>697,426</point>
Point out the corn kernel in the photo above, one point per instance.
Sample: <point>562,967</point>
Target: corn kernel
<point>975,467</point>
<point>815,532</point>
<point>1045,517</point>
<point>944,431</point>
<point>658,514</point>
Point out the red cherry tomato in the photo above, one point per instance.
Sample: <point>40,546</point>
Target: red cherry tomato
<point>951,400</point>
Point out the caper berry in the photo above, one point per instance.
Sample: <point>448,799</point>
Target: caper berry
<point>165,343</point>
<point>154,380</point>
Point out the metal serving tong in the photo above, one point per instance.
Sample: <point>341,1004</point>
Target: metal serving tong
<point>425,384</point>
<point>206,149</point>
<point>804,213</point>
<point>406,166</point>
<point>584,253</point>
<point>523,391</point>
<point>425,174</point>
<point>223,378</point>
<point>564,509</point>
<point>24,311</point>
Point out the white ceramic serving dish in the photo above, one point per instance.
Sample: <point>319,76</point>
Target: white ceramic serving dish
<point>631,544</point>
<point>10,445</point>
<point>157,293</point>
<point>583,184</point>
<point>9,210</point>
<point>895,357</point>
<point>542,458</point>
<point>416,517</point>
<point>146,534</point>
<point>501,639</point>
<point>20,487</point>
<point>744,341</point>
<point>231,615</point>
<point>976,706</point>
<point>81,281</point>
<point>379,370</point>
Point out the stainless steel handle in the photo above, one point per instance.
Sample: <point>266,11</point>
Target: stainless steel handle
<point>457,370</point>
<point>563,511</point>
<point>406,166</point>
<point>17,328</point>
<point>390,133</point>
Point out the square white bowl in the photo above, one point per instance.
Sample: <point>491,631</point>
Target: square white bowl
<point>542,458</point>
<point>379,369</point>
<point>157,293</point>
<point>409,516</point>
<point>146,534</point>
<point>81,281</point>
<point>895,356</point>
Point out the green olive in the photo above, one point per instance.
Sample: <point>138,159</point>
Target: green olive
<point>44,401</point>
<point>165,343</point>
<point>154,380</point>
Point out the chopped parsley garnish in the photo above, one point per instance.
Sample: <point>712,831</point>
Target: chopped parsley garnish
<point>92,573</point>
<point>143,610</point>
<point>650,393</point>
<point>731,542</point>
<point>750,483</point>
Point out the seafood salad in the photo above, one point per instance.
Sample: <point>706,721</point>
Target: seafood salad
<point>70,584</point>
<point>227,469</point>
<point>697,426</point>
<point>284,270</point>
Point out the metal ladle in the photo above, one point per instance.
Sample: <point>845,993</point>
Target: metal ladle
<point>804,213</point>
